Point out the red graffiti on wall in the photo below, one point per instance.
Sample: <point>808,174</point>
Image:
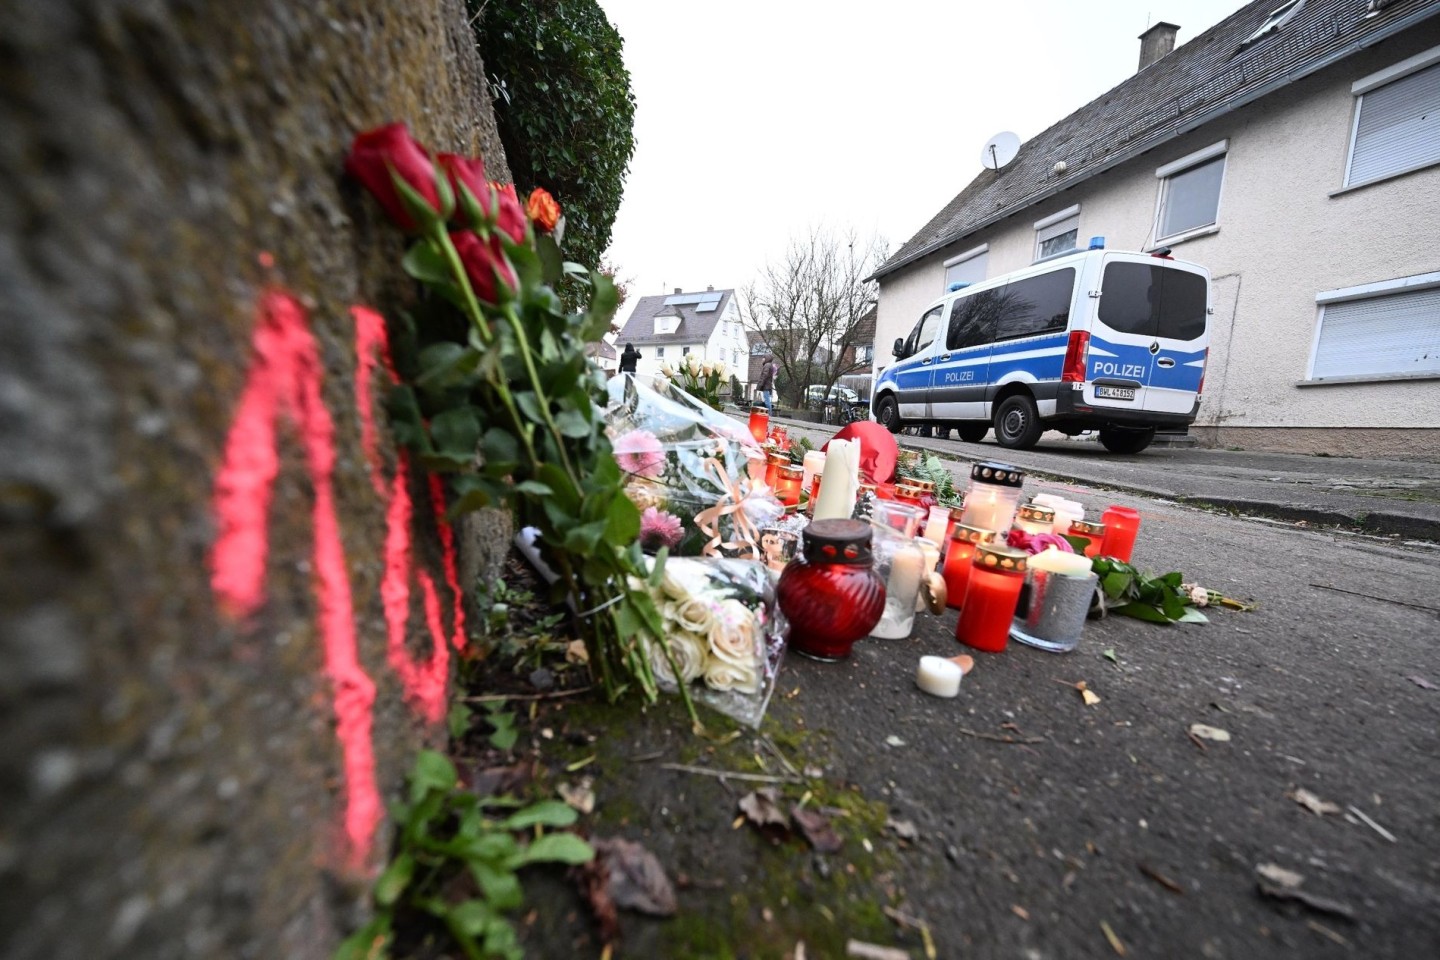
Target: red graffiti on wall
<point>284,381</point>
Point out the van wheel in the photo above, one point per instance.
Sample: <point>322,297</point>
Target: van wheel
<point>1119,440</point>
<point>972,432</point>
<point>1017,422</point>
<point>888,414</point>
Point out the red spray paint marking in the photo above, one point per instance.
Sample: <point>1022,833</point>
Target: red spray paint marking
<point>284,377</point>
<point>447,557</point>
<point>424,682</point>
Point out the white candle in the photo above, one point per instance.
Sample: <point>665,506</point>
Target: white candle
<point>1066,512</point>
<point>937,524</point>
<point>906,569</point>
<point>1057,561</point>
<point>815,463</point>
<point>939,677</point>
<point>1047,499</point>
<point>930,550</point>
<point>984,508</point>
<point>839,481</point>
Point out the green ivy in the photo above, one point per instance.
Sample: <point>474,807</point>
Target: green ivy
<point>564,108</point>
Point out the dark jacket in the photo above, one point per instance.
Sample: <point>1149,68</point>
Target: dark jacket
<point>628,359</point>
<point>767,376</point>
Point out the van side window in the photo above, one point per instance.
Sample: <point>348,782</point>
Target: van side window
<point>972,320</point>
<point>1153,301</point>
<point>925,332</point>
<point>1036,305</point>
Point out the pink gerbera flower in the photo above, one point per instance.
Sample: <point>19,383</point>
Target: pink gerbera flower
<point>1033,543</point>
<point>659,529</point>
<point>639,453</point>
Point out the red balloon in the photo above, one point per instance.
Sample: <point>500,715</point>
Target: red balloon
<point>878,449</point>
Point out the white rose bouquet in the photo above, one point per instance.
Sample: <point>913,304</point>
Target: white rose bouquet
<point>723,631</point>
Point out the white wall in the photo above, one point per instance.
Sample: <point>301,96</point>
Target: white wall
<point>1281,239</point>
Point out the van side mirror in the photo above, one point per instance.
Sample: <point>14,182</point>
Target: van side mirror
<point>898,350</point>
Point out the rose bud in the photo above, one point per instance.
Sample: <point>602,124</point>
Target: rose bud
<point>509,215</point>
<point>466,174</point>
<point>542,209</point>
<point>492,278</point>
<point>379,158</point>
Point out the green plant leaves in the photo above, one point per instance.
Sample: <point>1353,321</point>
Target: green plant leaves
<point>546,813</point>
<point>432,772</point>
<point>393,881</point>
<point>559,848</point>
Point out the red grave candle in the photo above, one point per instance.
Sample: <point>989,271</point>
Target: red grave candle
<point>991,596</point>
<point>759,423</point>
<point>1092,533</point>
<point>787,484</point>
<point>1121,526</point>
<point>831,594</point>
<point>963,541</point>
<point>773,463</point>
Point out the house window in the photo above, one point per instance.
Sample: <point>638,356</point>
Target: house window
<point>968,267</point>
<point>1190,192</point>
<point>734,358</point>
<point>1381,330</point>
<point>1056,233</point>
<point>684,350</point>
<point>1397,120</point>
<point>659,352</point>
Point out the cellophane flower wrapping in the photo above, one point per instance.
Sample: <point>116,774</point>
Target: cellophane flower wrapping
<point>689,470</point>
<point>724,632</point>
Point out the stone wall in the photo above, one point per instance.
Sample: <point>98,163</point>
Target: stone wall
<point>170,781</point>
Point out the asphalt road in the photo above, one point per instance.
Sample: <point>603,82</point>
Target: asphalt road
<point>1104,817</point>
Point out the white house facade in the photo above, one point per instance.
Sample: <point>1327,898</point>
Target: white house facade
<point>665,329</point>
<point>1294,151</point>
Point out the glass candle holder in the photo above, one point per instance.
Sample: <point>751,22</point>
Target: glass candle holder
<point>963,541</point>
<point>992,496</point>
<point>907,492</point>
<point>931,551</point>
<point>903,518</point>
<point>778,547</point>
<point>1122,524</point>
<point>901,564</point>
<point>936,521</point>
<point>759,422</point>
<point>991,598</point>
<point>779,437</point>
<point>955,514</point>
<point>885,491</point>
<point>814,492</point>
<point>773,463</point>
<point>831,594</point>
<point>787,484</point>
<point>1066,513</point>
<point>813,465</point>
<point>1094,534</point>
<point>928,498</point>
<point>1058,605</point>
<point>1035,518</point>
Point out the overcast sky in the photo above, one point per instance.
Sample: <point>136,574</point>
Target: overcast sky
<point>755,119</point>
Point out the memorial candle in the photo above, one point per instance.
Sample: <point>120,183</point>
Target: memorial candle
<point>787,484</point>
<point>991,597</point>
<point>1094,534</point>
<point>814,462</point>
<point>1035,518</point>
<point>759,422</point>
<point>839,482</point>
<point>936,523</point>
<point>992,496</point>
<point>958,555</point>
<point>773,463</point>
<point>1121,526</point>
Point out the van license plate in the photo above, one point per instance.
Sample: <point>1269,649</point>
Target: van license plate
<point>1115,393</point>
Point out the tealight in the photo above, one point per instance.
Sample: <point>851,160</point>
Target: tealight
<point>939,677</point>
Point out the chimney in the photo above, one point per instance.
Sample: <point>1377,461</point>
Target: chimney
<point>678,290</point>
<point>1155,43</point>
<point>710,288</point>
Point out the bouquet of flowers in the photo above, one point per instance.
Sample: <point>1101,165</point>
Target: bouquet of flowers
<point>701,379</point>
<point>724,634</point>
<point>689,471</point>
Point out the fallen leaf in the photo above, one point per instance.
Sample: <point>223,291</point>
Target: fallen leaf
<point>894,741</point>
<point>1207,732</point>
<point>635,878</point>
<point>1020,911</point>
<point>575,652</point>
<point>1422,683</point>
<point>903,829</point>
<point>595,885</point>
<point>817,829</point>
<point>1279,876</point>
<point>762,808</point>
<point>1115,943</point>
<point>1312,802</point>
<point>1313,901</point>
<point>1109,654</point>
<point>578,795</point>
<point>873,951</point>
<point>1090,697</point>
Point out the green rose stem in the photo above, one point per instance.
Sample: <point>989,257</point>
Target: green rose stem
<point>631,651</point>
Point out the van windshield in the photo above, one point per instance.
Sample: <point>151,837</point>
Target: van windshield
<point>1153,300</point>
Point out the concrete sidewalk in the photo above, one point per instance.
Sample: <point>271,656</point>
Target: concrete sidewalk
<point>1392,498</point>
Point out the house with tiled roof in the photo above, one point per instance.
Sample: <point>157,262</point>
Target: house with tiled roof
<point>668,327</point>
<point>1293,149</point>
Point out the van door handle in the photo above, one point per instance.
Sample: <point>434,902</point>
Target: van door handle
<point>945,356</point>
<point>925,361</point>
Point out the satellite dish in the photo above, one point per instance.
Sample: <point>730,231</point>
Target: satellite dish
<point>999,150</point>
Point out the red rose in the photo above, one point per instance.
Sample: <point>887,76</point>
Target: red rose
<point>467,172</point>
<point>491,275</point>
<point>542,209</point>
<point>375,153</point>
<point>509,215</point>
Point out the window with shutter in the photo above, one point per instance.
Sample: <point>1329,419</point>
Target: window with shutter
<point>1397,121</point>
<point>1385,330</point>
<point>968,267</point>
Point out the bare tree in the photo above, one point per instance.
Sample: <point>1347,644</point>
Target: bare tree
<point>806,308</point>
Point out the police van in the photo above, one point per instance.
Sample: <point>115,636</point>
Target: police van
<point>1094,340</point>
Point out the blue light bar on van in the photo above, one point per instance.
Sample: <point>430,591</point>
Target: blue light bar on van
<point>1097,243</point>
<point>957,285</point>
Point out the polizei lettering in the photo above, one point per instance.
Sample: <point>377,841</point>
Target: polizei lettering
<point>1106,368</point>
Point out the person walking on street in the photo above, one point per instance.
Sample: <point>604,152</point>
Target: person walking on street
<point>629,358</point>
<point>766,384</point>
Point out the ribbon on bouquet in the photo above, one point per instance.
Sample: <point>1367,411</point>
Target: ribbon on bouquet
<point>731,504</point>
